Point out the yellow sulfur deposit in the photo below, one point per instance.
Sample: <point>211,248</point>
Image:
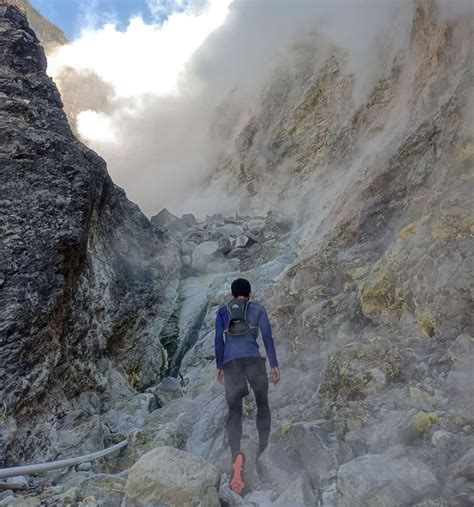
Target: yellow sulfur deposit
<point>423,420</point>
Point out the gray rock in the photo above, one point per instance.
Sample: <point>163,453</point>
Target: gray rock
<point>259,498</point>
<point>84,273</point>
<point>277,466</point>
<point>377,480</point>
<point>164,219</point>
<point>231,230</point>
<point>329,497</point>
<point>465,466</point>
<point>240,253</point>
<point>462,346</point>
<point>101,489</point>
<point>241,241</point>
<point>168,390</point>
<point>169,475</point>
<point>293,495</point>
<point>208,252</point>
<point>216,219</point>
<point>228,498</point>
<point>318,451</point>
<point>441,438</point>
<point>84,467</point>
<point>255,225</point>
<point>189,219</point>
<point>8,501</point>
<point>18,479</point>
<point>6,493</point>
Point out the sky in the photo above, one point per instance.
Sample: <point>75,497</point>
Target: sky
<point>72,15</point>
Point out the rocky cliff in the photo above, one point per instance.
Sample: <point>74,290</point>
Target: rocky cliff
<point>360,246</point>
<point>49,35</point>
<point>85,281</point>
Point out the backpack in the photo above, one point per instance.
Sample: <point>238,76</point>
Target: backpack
<point>238,323</point>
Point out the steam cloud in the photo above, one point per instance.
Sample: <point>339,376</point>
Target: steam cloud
<point>162,101</point>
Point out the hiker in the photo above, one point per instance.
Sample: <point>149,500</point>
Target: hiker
<point>238,361</point>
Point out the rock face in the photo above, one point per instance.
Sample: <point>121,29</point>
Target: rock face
<point>86,285</point>
<point>375,480</point>
<point>174,478</point>
<point>48,34</point>
<point>377,309</point>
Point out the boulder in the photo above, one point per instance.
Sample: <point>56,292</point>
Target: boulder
<point>168,222</point>
<point>239,253</point>
<point>84,467</point>
<point>260,498</point>
<point>102,489</point>
<point>6,493</point>
<point>320,452</point>
<point>276,465</point>
<point>462,346</point>
<point>168,390</point>
<point>241,241</point>
<point>293,496</point>
<point>20,480</point>
<point>228,498</point>
<point>216,219</point>
<point>189,220</point>
<point>441,438</point>
<point>173,477</point>
<point>379,480</point>
<point>208,252</point>
<point>255,225</point>
<point>8,500</point>
<point>394,427</point>
<point>231,230</point>
<point>465,466</point>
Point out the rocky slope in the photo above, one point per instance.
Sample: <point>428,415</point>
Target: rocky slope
<point>49,35</point>
<point>85,282</point>
<point>366,269</point>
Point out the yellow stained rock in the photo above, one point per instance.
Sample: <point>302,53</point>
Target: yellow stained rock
<point>415,392</point>
<point>407,231</point>
<point>423,420</point>
<point>426,323</point>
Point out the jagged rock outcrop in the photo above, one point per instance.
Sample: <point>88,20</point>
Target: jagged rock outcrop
<point>49,35</point>
<point>86,285</point>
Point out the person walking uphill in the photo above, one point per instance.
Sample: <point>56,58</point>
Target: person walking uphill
<point>238,361</point>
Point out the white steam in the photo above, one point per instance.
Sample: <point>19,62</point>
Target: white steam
<point>162,101</point>
<point>144,59</point>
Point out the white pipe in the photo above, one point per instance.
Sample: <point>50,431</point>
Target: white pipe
<point>53,465</point>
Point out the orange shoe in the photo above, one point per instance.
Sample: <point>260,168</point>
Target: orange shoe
<point>236,482</point>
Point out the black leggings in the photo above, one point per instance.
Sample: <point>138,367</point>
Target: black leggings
<point>236,375</point>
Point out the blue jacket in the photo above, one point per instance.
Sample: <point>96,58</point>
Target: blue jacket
<point>244,346</point>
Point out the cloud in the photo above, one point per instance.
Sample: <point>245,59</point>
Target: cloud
<point>162,9</point>
<point>145,58</point>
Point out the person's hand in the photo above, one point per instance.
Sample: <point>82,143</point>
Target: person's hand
<point>275,371</point>
<point>220,375</point>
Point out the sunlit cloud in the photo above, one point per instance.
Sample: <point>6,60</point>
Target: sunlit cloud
<point>145,58</point>
<point>96,125</point>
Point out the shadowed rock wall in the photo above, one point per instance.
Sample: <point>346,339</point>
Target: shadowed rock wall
<point>85,281</point>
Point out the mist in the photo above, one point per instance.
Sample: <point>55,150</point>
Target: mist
<point>163,102</point>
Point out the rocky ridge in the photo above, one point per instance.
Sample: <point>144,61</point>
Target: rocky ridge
<point>85,282</point>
